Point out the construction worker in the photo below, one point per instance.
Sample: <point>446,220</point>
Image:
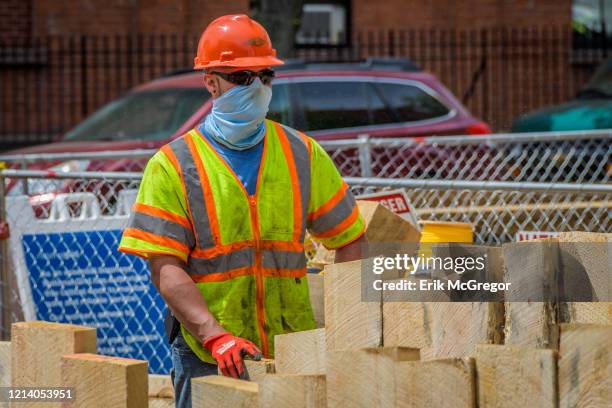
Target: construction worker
<point>222,213</point>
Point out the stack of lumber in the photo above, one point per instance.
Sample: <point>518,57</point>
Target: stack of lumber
<point>373,352</point>
<point>45,355</point>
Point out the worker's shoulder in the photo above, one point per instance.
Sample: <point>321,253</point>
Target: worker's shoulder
<point>174,147</point>
<point>295,135</point>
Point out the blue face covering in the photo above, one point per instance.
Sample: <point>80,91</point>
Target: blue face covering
<point>237,116</point>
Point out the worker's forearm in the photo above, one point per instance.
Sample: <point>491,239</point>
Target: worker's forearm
<point>183,297</point>
<point>353,251</point>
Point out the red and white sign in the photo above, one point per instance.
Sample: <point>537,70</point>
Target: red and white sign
<point>395,200</point>
<point>529,235</point>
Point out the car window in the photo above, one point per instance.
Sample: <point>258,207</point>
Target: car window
<point>408,103</point>
<point>329,105</point>
<point>145,115</point>
<point>279,105</point>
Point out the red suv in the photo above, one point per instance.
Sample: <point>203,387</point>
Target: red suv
<point>380,98</point>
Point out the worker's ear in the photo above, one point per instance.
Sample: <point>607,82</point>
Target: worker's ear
<point>211,82</point>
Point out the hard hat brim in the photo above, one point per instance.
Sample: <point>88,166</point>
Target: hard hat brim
<point>247,62</point>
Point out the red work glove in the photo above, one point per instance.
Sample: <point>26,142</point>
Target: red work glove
<point>229,351</point>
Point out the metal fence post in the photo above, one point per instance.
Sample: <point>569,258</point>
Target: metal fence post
<point>365,155</point>
<point>4,266</point>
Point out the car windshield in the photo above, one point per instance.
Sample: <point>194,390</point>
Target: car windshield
<point>144,115</point>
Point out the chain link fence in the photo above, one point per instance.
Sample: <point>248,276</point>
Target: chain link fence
<point>550,157</point>
<point>61,264</point>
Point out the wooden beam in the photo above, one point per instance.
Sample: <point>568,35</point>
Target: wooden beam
<point>350,323</point>
<point>38,347</point>
<point>585,260</point>
<point>444,383</point>
<point>300,352</point>
<point>382,225</point>
<point>585,365</point>
<point>443,329</point>
<point>160,386</point>
<point>215,391</point>
<point>586,312</point>
<point>458,327</point>
<point>408,324</point>
<point>103,381</point>
<point>257,370</point>
<point>581,261</point>
<point>5,363</point>
<point>531,267</point>
<point>293,391</point>
<point>366,377</point>
<point>317,297</point>
<point>161,403</point>
<point>516,376</point>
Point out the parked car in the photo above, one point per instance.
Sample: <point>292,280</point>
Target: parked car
<point>590,109</point>
<point>380,98</point>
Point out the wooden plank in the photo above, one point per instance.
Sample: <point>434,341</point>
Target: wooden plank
<point>5,363</point>
<point>293,391</point>
<point>300,352</point>
<point>444,383</point>
<point>531,267</point>
<point>366,377</point>
<point>516,376</point>
<point>317,297</point>
<point>38,347</point>
<point>103,381</point>
<point>349,322</point>
<point>257,370</point>
<point>160,386</point>
<point>215,391</point>
<point>585,366</point>
<point>382,225</point>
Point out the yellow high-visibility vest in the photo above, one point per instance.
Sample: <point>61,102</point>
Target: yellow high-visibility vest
<point>245,253</point>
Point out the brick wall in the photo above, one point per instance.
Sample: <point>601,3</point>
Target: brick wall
<point>129,16</point>
<point>15,19</point>
<point>166,16</point>
<point>403,14</point>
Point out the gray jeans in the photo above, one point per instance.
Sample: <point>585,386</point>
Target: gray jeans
<point>185,366</point>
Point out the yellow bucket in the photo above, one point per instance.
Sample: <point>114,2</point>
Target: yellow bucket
<point>442,232</point>
<point>446,231</point>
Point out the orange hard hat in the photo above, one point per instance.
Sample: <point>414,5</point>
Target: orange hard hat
<point>235,41</point>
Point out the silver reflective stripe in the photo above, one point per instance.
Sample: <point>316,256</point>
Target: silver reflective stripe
<point>162,227</point>
<point>223,263</point>
<point>283,259</point>
<point>195,193</point>
<point>335,216</point>
<point>301,158</point>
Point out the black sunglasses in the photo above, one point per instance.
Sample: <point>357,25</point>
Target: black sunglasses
<point>247,77</point>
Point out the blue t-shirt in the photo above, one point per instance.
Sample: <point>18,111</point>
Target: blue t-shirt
<point>245,163</point>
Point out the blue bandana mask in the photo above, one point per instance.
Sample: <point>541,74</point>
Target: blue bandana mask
<point>237,117</point>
